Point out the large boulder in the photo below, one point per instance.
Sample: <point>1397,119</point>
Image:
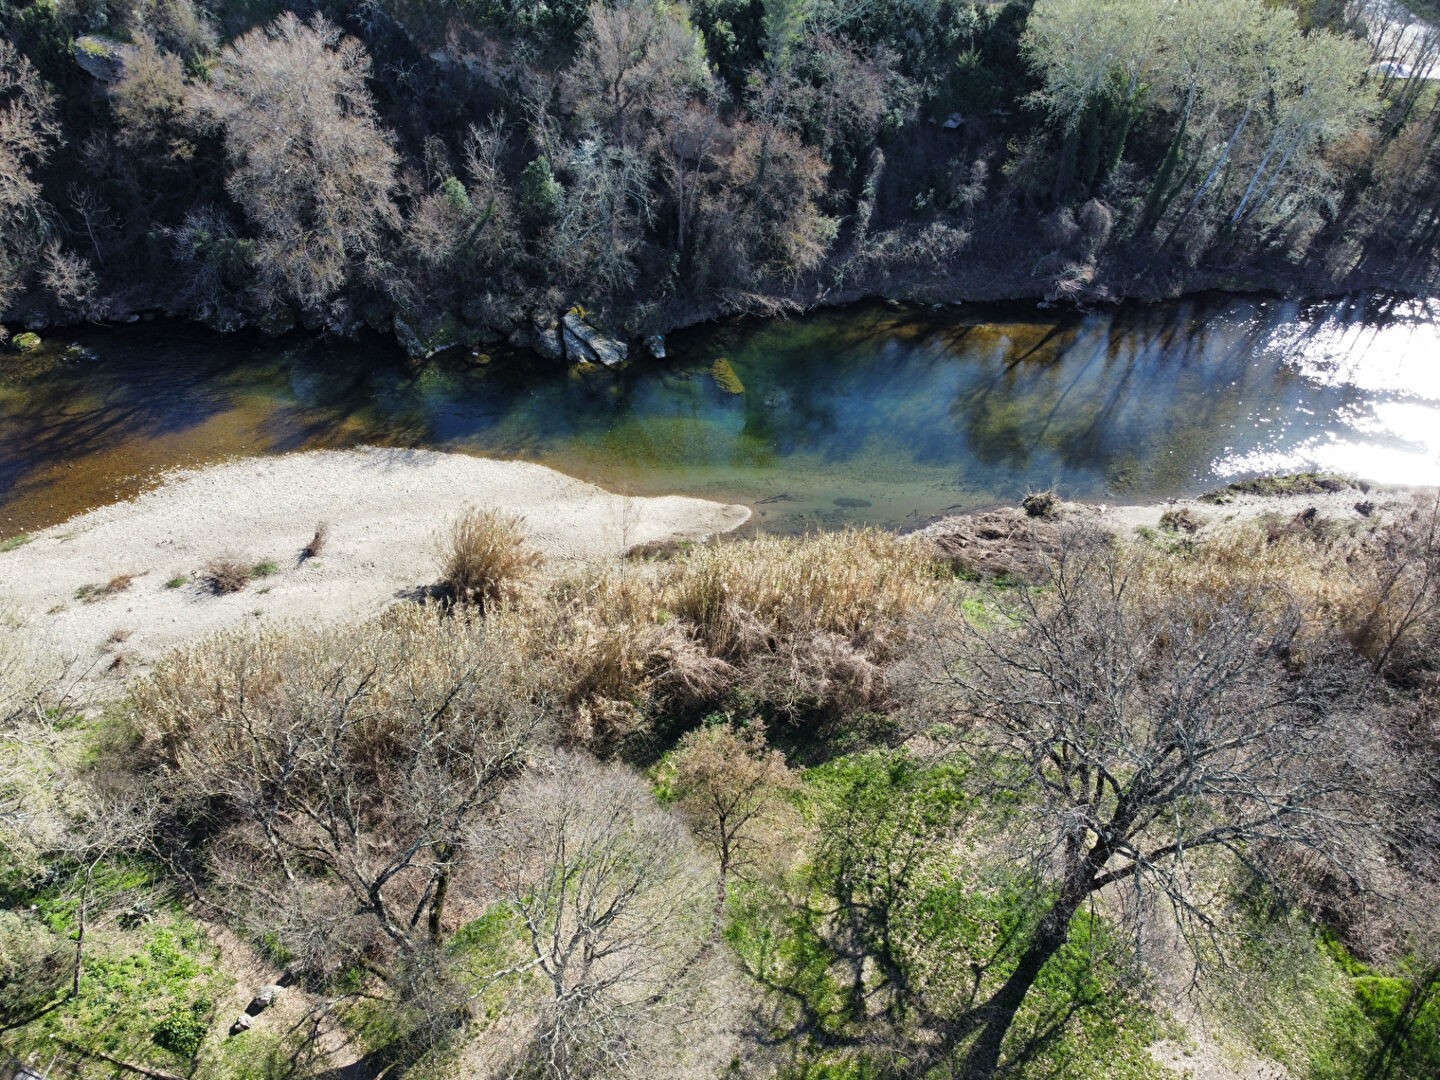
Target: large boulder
<point>585,344</point>
<point>102,58</point>
<point>545,338</point>
<point>263,999</point>
<point>422,335</point>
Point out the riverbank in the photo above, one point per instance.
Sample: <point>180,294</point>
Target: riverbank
<point>1009,542</point>
<point>113,588</point>
<point>994,274</point>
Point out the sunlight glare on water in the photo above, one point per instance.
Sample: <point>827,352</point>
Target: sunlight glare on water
<point>1391,434</point>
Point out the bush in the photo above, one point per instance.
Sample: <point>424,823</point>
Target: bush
<point>1042,504</point>
<point>317,542</point>
<point>485,558</point>
<point>225,575</point>
<point>1181,520</point>
<point>183,1030</point>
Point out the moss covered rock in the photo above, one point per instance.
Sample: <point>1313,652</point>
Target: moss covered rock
<point>26,342</point>
<point>725,377</point>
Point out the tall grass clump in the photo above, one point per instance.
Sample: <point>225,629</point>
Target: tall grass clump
<point>862,585</point>
<point>808,625</point>
<point>485,558</point>
<point>603,646</point>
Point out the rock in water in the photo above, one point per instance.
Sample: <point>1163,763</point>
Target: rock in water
<point>725,377</point>
<point>585,344</point>
<point>546,338</point>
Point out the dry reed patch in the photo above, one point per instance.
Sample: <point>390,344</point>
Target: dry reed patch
<point>485,558</point>
<point>1332,577</point>
<point>861,585</point>
<point>603,646</point>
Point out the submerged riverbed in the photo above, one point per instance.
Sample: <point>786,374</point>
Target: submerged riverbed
<point>865,414</point>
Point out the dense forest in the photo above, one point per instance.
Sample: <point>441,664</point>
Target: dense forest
<point>459,172</point>
<point>1015,796</point>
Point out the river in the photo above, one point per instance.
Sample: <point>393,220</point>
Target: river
<point>868,414</point>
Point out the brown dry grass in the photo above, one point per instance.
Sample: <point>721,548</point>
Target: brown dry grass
<point>1373,584</point>
<point>860,585</point>
<point>225,575</point>
<point>798,627</point>
<point>317,543</point>
<point>485,558</point>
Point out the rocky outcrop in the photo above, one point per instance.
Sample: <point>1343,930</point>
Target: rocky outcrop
<point>102,58</point>
<point>545,338</point>
<point>424,335</point>
<point>585,344</point>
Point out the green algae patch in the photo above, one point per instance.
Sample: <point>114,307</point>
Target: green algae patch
<point>725,377</point>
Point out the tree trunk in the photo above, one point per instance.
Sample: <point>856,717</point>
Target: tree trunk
<point>80,932</point>
<point>999,1012</point>
<point>1221,162</point>
<point>442,887</point>
<point>722,885</point>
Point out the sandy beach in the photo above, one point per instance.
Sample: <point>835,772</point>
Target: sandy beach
<point>384,509</point>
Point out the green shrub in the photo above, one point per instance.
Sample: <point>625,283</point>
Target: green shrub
<point>184,1029</point>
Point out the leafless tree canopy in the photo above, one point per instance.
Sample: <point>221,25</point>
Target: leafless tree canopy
<point>311,166</point>
<point>614,904</point>
<point>28,131</point>
<point>1146,731</point>
<point>344,768</point>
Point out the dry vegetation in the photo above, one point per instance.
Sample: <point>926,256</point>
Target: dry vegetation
<point>225,575</point>
<point>435,819</point>
<point>485,559</point>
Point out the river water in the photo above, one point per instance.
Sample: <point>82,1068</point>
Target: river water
<point>864,414</point>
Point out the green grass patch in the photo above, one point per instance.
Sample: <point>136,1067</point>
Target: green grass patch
<point>890,918</point>
<point>19,540</point>
<point>264,569</point>
<point>177,582</point>
<point>147,993</point>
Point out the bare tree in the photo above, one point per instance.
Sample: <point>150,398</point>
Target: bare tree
<point>726,780</point>
<point>1145,731</point>
<point>633,56</point>
<point>347,764</point>
<point>69,281</point>
<point>311,166</point>
<point>28,131</point>
<point>612,901</point>
<point>106,823</point>
<point>778,182</point>
<point>37,698</point>
<point>602,220</point>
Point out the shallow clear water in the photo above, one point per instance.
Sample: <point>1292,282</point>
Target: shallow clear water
<point>867,414</point>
